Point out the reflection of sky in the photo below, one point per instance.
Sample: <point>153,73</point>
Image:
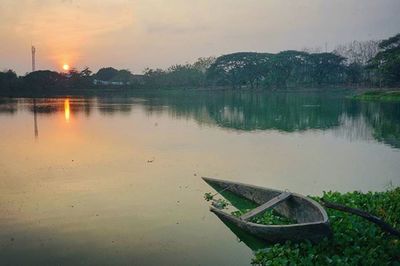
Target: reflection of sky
<point>135,34</point>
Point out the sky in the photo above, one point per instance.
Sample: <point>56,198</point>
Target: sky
<point>135,34</point>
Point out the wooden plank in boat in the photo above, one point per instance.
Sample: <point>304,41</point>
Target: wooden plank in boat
<point>269,204</point>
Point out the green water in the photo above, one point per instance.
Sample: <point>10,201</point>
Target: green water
<point>116,180</point>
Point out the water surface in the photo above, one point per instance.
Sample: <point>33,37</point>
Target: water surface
<point>116,180</point>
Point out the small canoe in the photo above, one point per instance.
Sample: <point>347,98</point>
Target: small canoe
<point>311,219</point>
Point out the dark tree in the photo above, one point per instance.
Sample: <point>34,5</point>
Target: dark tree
<point>8,80</point>
<point>44,79</point>
<point>106,73</point>
<point>238,69</point>
<point>328,68</point>
<point>387,61</point>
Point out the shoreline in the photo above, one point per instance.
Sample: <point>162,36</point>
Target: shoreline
<point>379,95</point>
<point>101,91</point>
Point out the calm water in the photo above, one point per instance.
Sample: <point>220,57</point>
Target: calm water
<point>117,180</point>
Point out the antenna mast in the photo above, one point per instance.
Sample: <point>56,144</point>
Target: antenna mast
<point>33,58</point>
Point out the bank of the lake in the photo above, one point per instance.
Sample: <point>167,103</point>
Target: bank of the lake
<point>129,91</point>
<point>355,241</point>
<point>379,95</point>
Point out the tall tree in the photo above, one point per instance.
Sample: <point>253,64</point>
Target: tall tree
<point>106,73</point>
<point>387,61</point>
<point>8,80</point>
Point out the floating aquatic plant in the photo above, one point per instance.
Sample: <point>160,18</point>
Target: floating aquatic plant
<point>355,241</point>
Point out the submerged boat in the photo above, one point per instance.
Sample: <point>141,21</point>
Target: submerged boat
<point>310,218</point>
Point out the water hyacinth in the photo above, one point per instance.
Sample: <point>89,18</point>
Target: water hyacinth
<point>269,217</point>
<point>355,241</point>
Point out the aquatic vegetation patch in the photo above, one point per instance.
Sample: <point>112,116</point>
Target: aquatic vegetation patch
<point>217,203</point>
<point>355,241</point>
<point>269,217</point>
<point>208,196</point>
<point>379,96</point>
<point>220,204</point>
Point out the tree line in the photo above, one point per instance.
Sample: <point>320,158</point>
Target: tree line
<point>369,63</point>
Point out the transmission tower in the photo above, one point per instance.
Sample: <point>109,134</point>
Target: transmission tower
<point>33,58</point>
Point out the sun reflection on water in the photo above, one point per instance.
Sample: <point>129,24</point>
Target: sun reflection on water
<point>66,110</point>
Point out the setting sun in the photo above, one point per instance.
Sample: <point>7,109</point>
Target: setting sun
<point>66,67</point>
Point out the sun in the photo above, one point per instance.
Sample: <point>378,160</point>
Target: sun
<point>66,67</point>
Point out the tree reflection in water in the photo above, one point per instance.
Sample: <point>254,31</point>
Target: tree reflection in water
<point>242,111</point>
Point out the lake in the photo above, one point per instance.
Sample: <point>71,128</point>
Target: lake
<point>117,179</point>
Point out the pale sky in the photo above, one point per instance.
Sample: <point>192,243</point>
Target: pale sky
<point>134,34</point>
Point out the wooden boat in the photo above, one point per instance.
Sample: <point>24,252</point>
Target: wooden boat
<point>311,218</point>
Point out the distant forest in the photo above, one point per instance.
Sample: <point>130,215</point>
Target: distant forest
<point>357,64</point>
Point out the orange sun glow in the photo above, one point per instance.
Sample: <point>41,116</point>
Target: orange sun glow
<point>66,67</point>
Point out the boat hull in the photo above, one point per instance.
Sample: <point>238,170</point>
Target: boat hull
<point>312,220</point>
